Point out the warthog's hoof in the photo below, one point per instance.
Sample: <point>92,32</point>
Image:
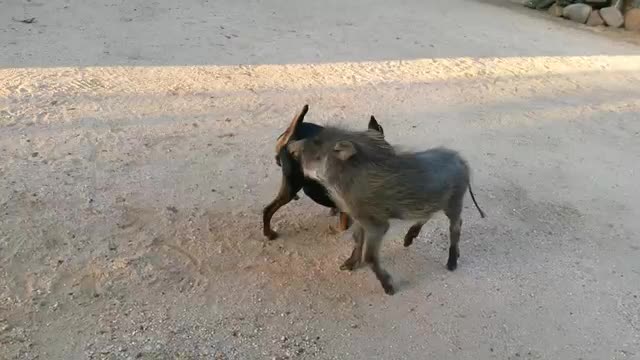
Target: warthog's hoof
<point>350,264</point>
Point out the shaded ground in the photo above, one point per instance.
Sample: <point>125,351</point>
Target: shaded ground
<point>130,197</point>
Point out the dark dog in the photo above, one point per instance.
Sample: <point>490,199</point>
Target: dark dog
<point>293,178</point>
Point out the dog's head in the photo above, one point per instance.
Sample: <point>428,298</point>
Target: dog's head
<point>289,133</point>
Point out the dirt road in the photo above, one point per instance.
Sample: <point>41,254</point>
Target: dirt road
<point>136,154</point>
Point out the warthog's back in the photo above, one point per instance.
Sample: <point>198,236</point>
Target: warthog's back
<point>408,185</point>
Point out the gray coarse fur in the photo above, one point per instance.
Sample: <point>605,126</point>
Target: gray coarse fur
<point>372,183</point>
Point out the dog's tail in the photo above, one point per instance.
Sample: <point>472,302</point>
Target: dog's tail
<point>482,215</point>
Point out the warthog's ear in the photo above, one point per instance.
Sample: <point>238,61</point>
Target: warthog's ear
<point>373,125</point>
<point>291,129</point>
<point>344,149</point>
<point>295,148</point>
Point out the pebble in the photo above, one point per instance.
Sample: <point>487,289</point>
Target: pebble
<point>577,12</point>
<point>632,20</point>
<point>612,16</point>
<point>595,19</point>
<point>555,10</point>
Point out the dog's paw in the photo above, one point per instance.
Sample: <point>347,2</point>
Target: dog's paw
<point>271,235</point>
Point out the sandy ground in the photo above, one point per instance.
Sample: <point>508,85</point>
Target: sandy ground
<point>136,154</point>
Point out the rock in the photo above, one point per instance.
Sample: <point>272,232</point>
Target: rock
<point>612,16</point>
<point>556,10</point>
<point>577,12</point>
<point>632,20</point>
<point>595,19</point>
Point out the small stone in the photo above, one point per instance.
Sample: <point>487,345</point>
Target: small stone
<point>556,10</point>
<point>4,328</point>
<point>595,19</point>
<point>577,12</point>
<point>632,20</point>
<point>612,16</point>
<point>34,154</point>
<point>173,209</point>
<point>283,339</point>
<point>354,326</point>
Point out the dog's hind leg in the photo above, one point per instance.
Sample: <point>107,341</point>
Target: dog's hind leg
<point>286,193</point>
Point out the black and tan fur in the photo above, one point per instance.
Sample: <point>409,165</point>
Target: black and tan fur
<point>293,179</point>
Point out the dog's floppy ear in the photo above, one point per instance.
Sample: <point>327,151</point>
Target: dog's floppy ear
<point>293,126</point>
<point>373,125</point>
<point>344,149</point>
